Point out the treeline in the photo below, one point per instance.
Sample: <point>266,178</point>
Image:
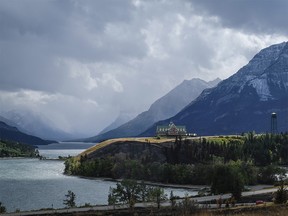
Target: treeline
<point>225,163</point>
<point>245,172</point>
<point>157,172</point>
<point>15,149</point>
<point>262,150</point>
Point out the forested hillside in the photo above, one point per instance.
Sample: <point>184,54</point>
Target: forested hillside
<point>222,162</point>
<point>14,149</point>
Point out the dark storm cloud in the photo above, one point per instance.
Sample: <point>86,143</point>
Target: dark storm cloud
<point>35,34</point>
<point>81,62</point>
<point>65,24</point>
<point>267,16</point>
<point>54,17</point>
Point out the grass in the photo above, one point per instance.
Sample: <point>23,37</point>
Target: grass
<point>261,210</point>
<point>136,139</point>
<point>265,209</point>
<point>154,140</point>
<point>225,139</point>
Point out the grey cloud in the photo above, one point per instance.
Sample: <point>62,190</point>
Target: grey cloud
<point>113,55</point>
<point>52,17</point>
<point>252,15</point>
<point>36,34</point>
<point>70,28</point>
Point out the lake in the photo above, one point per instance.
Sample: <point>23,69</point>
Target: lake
<point>30,184</point>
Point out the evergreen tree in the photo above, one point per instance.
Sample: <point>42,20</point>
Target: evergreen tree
<point>69,202</point>
<point>172,199</point>
<point>2,208</point>
<point>157,195</point>
<point>127,191</point>
<point>111,198</point>
<point>281,195</point>
<point>227,178</point>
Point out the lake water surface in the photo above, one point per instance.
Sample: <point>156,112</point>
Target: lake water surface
<point>28,184</point>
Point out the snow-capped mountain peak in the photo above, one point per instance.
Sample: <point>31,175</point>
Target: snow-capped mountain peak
<point>243,102</point>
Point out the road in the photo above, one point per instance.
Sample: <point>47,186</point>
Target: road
<point>142,205</point>
<point>226,196</point>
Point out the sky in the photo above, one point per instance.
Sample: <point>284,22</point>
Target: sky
<point>82,63</point>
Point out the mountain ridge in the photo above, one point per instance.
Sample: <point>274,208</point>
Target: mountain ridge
<point>120,120</point>
<point>164,107</point>
<point>11,133</point>
<point>35,124</point>
<point>242,102</point>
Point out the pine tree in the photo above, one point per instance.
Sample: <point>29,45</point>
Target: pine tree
<point>281,195</point>
<point>69,202</point>
<point>2,208</point>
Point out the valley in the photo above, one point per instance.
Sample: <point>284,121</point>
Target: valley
<point>143,107</point>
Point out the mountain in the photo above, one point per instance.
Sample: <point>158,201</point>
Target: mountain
<point>120,120</point>
<point>7,121</point>
<point>35,124</point>
<point>10,133</point>
<point>243,102</point>
<point>163,108</point>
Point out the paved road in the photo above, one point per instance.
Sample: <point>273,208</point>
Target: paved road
<point>143,205</point>
<point>226,196</point>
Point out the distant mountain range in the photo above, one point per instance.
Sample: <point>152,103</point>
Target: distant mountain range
<point>35,124</point>
<point>243,102</point>
<point>163,108</point>
<point>120,120</point>
<point>10,133</point>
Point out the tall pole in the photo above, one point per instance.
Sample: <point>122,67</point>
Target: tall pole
<point>274,129</point>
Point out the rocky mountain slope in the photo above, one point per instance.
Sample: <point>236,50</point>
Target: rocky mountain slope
<point>163,108</point>
<point>244,102</point>
<point>13,134</point>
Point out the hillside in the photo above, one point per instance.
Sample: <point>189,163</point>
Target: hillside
<point>243,102</point>
<point>120,120</point>
<point>186,160</point>
<point>10,133</point>
<point>163,108</point>
<point>13,149</point>
<point>35,124</point>
<point>134,148</point>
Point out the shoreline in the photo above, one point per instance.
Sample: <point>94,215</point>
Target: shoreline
<point>178,186</point>
<point>8,158</point>
<point>143,206</point>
